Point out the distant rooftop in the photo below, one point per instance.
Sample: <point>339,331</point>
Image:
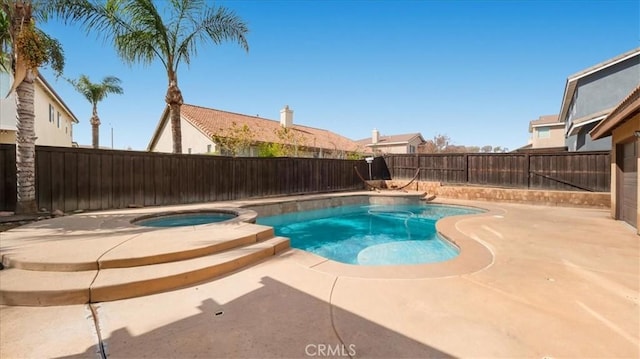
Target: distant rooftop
<point>549,120</point>
<point>211,121</point>
<point>395,139</point>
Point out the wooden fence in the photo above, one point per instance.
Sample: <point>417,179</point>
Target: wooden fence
<point>579,171</point>
<point>88,179</point>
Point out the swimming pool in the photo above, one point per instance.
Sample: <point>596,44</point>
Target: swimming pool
<point>370,234</point>
<point>184,219</point>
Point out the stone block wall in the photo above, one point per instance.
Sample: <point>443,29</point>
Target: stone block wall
<point>528,196</point>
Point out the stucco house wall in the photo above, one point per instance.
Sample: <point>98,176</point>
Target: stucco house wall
<point>604,89</point>
<point>393,144</point>
<point>582,142</point>
<point>394,149</point>
<point>592,94</point>
<point>555,138</point>
<point>193,140</point>
<point>53,126</point>
<point>53,120</point>
<point>7,110</point>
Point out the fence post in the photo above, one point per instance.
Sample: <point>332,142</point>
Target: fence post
<point>527,170</point>
<point>465,174</point>
<point>417,162</point>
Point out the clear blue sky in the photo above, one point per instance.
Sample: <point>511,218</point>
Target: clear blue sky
<point>476,71</point>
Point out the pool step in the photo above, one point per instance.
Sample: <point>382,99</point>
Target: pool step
<point>151,247</point>
<point>47,288</point>
<point>121,283</point>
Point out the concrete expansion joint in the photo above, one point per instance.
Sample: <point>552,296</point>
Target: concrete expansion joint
<point>319,263</point>
<point>96,323</point>
<point>333,324</point>
<point>98,268</point>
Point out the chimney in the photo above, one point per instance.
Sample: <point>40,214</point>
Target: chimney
<point>375,136</point>
<point>286,117</point>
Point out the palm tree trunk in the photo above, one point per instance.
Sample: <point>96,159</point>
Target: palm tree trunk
<point>95,128</point>
<point>174,100</point>
<point>26,146</point>
<point>95,134</point>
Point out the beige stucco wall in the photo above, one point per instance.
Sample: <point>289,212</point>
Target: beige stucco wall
<point>398,149</point>
<point>192,138</point>
<point>415,143</point>
<point>8,113</point>
<point>555,139</point>
<point>47,133</point>
<point>7,136</point>
<point>50,133</point>
<point>393,149</point>
<point>623,134</point>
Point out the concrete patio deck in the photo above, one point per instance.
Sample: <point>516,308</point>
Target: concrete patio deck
<point>563,282</point>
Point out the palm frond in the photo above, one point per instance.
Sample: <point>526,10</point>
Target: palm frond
<point>106,18</point>
<point>111,84</point>
<point>82,85</point>
<point>145,18</point>
<point>138,46</point>
<point>225,25</point>
<point>96,92</point>
<point>5,41</point>
<point>54,55</point>
<point>217,25</point>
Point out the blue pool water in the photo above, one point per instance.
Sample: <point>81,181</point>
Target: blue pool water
<point>186,219</point>
<point>370,235</point>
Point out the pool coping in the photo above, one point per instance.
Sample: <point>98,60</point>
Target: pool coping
<point>474,255</point>
<point>240,215</point>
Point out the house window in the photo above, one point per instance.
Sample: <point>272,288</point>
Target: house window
<point>208,148</point>
<point>189,150</point>
<point>58,119</point>
<point>66,129</point>
<point>412,149</point>
<point>51,113</point>
<point>543,132</point>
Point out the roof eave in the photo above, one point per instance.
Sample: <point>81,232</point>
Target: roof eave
<point>573,129</point>
<point>569,90</point>
<point>156,134</point>
<point>388,144</point>
<point>605,64</point>
<point>629,107</point>
<point>553,124</point>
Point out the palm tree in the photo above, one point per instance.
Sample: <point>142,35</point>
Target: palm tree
<point>5,43</point>
<point>27,48</point>
<point>140,34</point>
<point>94,93</point>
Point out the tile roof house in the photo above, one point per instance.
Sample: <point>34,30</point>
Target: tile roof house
<point>623,125</point>
<point>590,95</point>
<point>546,132</point>
<point>405,143</point>
<point>54,120</point>
<point>199,124</point>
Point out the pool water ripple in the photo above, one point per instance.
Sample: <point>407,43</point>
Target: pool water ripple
<point>370,235</point>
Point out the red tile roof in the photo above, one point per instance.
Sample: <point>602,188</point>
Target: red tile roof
<point>210,121</point>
